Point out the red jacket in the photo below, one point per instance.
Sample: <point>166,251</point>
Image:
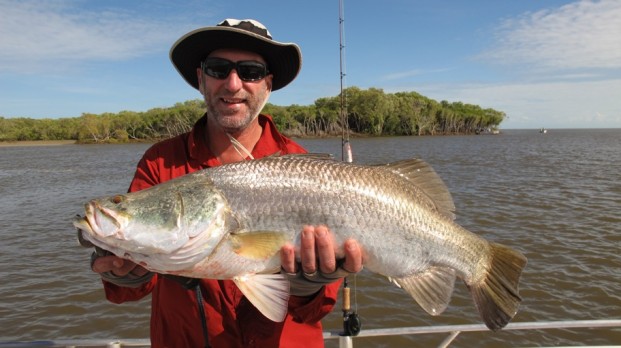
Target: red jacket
<point>231,320</point>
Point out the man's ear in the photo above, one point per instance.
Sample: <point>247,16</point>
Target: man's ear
<point>268,81</point>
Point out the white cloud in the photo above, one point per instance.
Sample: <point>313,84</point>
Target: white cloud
<point>584,34</point>
<point>47,35</point>
<point>586,104</point>
<point>566,64</point>
<point>412,73</point>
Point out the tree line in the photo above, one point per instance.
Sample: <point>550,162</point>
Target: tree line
<point>370,112</point>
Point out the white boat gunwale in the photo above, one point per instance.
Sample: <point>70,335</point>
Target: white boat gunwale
<point>346,341</point>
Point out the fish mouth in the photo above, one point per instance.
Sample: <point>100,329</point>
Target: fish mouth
<point>89,237</point>
<point>103,222</point>
<point>82,224</point>
<point>96,224</point>
<point>84,229</point>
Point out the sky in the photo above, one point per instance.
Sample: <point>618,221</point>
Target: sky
<point>545,63</point>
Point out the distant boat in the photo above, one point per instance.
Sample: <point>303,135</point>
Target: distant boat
<point>543,131</point>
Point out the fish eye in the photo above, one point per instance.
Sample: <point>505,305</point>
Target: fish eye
<point>118,199</point>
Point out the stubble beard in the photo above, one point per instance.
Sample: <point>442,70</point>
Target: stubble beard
<point>233,121</point>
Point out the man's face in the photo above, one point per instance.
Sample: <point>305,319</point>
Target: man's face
<point>232,103</point>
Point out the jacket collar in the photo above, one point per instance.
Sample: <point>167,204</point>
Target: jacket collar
<point>270,142</point>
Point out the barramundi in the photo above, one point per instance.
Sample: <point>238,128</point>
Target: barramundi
<point>229,222</point>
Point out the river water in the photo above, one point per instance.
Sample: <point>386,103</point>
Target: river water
<point>556,197</point>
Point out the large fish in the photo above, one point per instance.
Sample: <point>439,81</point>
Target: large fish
<point>229,222</point>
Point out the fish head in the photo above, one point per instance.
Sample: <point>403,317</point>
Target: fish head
<point>139,223</point>
<point>164,228</point>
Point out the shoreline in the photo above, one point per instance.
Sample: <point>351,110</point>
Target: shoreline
<point>13,143</point>
<point>36,143</point>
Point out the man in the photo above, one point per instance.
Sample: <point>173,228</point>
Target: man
<point>235,66</point>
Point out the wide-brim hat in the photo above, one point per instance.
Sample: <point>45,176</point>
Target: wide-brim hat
<point>284,60</point>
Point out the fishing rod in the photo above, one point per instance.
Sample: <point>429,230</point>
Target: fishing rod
<point>346,153</point>
<point>351,320</point>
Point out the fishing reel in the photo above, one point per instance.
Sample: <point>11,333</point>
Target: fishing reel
<point>351,321</point>
<point>351,324</point>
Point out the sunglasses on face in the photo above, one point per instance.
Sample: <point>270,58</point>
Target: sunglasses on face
<point>247,70</point>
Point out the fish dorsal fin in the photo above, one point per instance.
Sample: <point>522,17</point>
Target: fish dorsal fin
<point>310,156</point>
<point>419,173</point>
<point>269,293</point>
<point>431,289</point>
<point>259,245</point>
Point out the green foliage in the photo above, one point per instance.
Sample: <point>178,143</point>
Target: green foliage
<point>367,112</point>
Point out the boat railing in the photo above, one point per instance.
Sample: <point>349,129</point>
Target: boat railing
<point>452,332</point>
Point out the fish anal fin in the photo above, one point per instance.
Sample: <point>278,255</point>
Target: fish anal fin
<point>269,293</point>
<point>258,245</point>
<point>496,295</point>
<point>432,289</point>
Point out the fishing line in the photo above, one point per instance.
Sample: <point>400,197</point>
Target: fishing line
<point>238,146</point>
<point>355,293</point>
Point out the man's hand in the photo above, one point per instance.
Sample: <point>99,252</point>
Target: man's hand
<point>118,271</point>
<point>117,266</point>
<point>318,253</point>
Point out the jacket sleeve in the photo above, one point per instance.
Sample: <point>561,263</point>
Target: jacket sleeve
<point>120,294</point>
<point>310,310</point>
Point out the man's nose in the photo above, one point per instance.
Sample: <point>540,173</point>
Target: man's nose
<point>233,82</point>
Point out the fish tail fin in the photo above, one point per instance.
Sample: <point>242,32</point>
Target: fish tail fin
<point>496,295</point>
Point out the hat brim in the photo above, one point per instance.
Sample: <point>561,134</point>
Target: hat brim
<point>284,60</point>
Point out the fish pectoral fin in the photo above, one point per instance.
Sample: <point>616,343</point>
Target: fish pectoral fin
<point>269,293</point>
<point>432,289</point>
<point>258,245</point>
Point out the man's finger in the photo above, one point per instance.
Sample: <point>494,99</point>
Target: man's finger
<point>353,256</point>
<point>287,258</point>
<point>325,249</point>
<point>104,263</point>
<point>114,264</point>
<point>307,250</point>
<point>123,268</point>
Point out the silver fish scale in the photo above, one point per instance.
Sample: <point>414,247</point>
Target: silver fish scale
<point>400,233</point>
